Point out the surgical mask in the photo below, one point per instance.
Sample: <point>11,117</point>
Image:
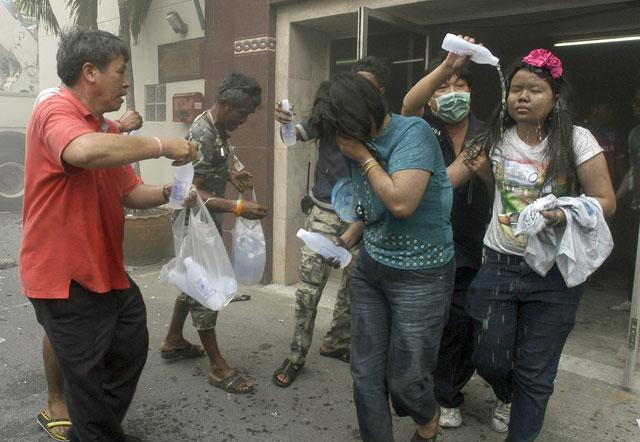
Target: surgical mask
<point>453,107</point>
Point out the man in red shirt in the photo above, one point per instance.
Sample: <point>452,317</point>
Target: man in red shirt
<point>78,179</point>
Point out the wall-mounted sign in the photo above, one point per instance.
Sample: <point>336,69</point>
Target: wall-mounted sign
<point>187,106</point>
<point>180,61</point>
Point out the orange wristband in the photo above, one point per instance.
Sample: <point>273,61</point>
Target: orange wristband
<point>239,206</point>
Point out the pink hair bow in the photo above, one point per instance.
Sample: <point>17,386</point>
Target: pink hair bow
<point>542,58</point>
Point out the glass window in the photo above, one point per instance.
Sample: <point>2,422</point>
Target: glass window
<point>155,102</point>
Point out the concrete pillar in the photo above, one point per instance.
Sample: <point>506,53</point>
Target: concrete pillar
<point>239,38</point>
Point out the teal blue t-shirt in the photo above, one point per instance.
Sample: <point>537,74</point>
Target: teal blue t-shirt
<point>424,239</point>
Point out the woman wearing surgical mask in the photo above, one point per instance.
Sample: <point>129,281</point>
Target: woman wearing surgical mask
<point>446,90</point>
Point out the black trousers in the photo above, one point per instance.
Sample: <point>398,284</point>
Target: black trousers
<point>101,343</point>
<point>454,367</point>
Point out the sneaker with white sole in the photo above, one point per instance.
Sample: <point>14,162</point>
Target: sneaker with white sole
<point>450,417</point>
<point>501,417</point>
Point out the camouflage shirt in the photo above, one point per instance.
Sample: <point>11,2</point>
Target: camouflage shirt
<point>212,164</point>
<point>214,147</point>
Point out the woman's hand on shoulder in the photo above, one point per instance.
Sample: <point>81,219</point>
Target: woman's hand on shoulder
<point>477,161</point>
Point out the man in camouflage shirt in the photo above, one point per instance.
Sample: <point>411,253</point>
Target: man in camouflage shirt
<point>237,98</point>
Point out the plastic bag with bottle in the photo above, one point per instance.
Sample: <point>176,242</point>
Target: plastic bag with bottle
<point>201,268</point>
<point>249,250</point>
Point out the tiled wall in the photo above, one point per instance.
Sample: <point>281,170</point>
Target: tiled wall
<point>239,40</point>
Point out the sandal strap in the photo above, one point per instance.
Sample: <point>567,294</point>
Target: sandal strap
<point>233,380</point>
<point>289,369</point>
<point>288,366</point>
<point>53,423</point>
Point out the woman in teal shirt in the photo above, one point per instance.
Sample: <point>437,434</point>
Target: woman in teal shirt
<point>401,288</point>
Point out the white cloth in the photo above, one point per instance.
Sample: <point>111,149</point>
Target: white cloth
<point>578,247</point>
<point>531,221</point>
<point>519,171</point>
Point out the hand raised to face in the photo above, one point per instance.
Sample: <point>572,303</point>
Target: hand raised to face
<point>353,149</point>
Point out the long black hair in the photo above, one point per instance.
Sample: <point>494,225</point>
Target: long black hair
<point>348,105</point>
<point>558,125</point>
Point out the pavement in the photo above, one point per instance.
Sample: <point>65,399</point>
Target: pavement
<point>174,402</point>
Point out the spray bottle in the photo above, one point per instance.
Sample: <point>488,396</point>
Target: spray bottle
<point>288,130</point>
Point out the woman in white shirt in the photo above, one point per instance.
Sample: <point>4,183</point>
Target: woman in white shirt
<point>523,319</point>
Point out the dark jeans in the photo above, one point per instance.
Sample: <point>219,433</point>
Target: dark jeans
<point>522,322</point>
<point>101,343</point>
<point>454,367</point>
<point>396,324</point>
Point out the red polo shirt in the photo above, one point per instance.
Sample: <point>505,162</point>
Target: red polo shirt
<point>73,218</point>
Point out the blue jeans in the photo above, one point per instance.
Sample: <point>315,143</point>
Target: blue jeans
<point>397,318</point>
<point>522,321</point>
<point>454,368</point>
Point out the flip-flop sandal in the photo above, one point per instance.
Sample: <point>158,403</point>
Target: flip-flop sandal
<point>342,354</point>
<point>49,425</point>
<point>239,298</point>
<point>290,370</point>
<point>188,352</point>
<point>231,384</point>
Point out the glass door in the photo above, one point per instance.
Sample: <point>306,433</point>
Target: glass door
<point>403,44</point>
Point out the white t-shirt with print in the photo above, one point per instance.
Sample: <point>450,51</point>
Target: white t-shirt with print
<point>519,171</point>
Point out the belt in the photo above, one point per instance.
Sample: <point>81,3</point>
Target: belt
<point>501,258</point>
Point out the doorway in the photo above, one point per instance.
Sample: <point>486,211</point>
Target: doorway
<point>407,35</point>
<point>401,43</point>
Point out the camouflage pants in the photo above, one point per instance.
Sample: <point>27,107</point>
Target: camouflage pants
<point>203,318</point>
<point>314,273</point>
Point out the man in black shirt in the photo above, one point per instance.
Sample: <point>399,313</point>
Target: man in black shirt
<point>442,97</point>
<point>314,271</point>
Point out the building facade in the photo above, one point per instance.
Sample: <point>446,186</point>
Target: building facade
<point>291,46</point>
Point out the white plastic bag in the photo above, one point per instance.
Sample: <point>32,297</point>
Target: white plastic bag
<point>249,250</point>
<point>201,268</point>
